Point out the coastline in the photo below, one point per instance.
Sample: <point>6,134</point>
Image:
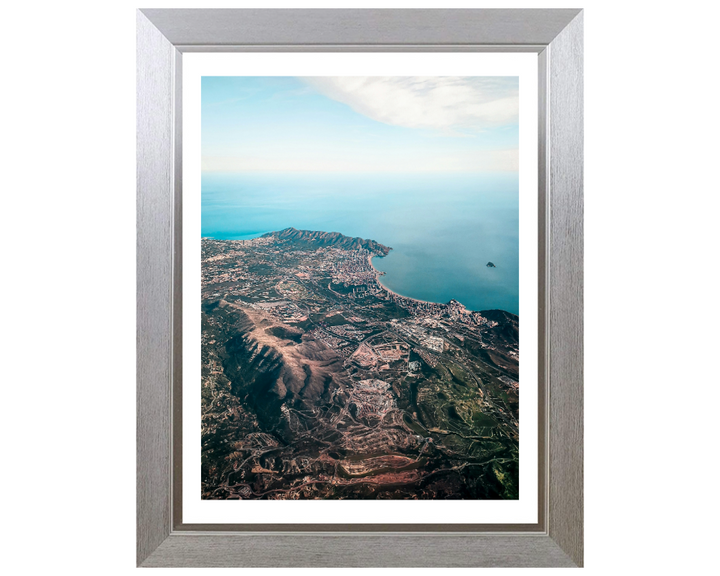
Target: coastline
<point>379,273</point>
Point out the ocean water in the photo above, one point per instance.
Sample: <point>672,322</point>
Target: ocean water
<point>443,228</point>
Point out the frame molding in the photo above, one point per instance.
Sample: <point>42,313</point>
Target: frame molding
<point>162,36</point>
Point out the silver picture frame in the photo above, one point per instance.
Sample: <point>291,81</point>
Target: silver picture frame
<point>163,36</point>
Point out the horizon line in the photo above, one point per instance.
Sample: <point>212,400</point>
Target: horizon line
<point>295,171</point>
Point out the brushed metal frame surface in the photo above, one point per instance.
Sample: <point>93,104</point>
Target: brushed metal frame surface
<point>163,35</point>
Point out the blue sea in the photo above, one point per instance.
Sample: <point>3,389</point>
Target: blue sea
<point>443,228</point>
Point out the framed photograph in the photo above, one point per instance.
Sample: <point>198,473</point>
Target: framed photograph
<point>342,217</point>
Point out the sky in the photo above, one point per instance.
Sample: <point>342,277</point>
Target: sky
<point>359,124</point>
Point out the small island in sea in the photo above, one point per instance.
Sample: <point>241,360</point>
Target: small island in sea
<point>320,383</point>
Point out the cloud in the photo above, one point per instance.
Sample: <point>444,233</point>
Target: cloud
<point>439,102</point>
